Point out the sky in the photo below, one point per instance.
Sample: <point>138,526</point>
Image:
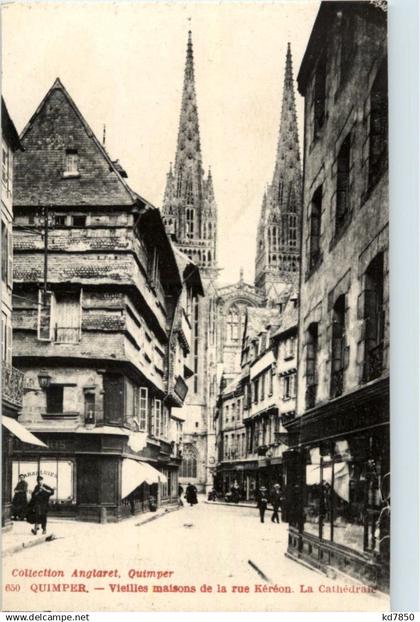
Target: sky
<point>123,64</point>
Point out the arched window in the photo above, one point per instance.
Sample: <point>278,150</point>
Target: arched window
<point>189,192</point>
<point>179,184</point>
<point>190,222</point>
<point>189,461</point>
<point>292,231</point>
<point>233,324</point>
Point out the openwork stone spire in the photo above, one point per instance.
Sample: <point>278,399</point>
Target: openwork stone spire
<point>189,207</point>
<point>278,237</point>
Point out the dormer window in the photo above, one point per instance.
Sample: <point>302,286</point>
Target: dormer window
<point>72,163</point>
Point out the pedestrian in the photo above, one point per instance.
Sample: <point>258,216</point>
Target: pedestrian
<point>262,501</point>
<point>20,501</point>
<point>276,499</point>
<point>180,491</point>
<point>235,492</point>
<point>191,494</point>
<point>38,505</point>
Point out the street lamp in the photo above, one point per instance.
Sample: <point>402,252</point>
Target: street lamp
<point>44,379</point>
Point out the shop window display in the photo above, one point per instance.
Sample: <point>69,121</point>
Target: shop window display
<point>346,494</point>
<point>58,474</point>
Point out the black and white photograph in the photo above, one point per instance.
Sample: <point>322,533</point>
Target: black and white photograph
<point>195,306</point>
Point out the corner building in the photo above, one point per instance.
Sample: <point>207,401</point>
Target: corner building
<point>338,461</point>
<point>100,324</point>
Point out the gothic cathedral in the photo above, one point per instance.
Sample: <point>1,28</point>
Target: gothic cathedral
<point>190,215</point>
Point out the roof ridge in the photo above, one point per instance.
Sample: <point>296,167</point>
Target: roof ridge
<point>59,85</point>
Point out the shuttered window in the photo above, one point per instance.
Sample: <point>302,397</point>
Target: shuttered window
<point>343,185</point>
<point>378,125</point>
<point>143,408</point>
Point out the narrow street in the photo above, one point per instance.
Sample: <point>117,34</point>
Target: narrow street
<point>206,544</point>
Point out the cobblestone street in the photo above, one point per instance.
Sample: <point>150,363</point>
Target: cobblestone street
<point>178,543</point>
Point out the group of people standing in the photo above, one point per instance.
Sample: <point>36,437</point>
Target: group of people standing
<point>190,494</point>
<point>34,509</point>
<point>276,498</point>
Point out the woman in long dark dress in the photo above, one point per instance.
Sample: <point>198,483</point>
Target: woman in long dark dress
<point>20,502</point>
<point>191,494</point>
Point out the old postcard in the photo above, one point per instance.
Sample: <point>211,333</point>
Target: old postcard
<point>195,306</point>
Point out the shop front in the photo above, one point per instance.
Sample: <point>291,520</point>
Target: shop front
<point>95,476</point>
<point>338,486</point>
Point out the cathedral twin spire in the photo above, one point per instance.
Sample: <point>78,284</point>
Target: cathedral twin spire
<point>189,207</point>
<point>278,239</point>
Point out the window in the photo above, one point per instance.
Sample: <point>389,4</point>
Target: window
<point>315,229</point>
<point>320,93</point>
<point>233,324</point>
<point>45,303</point>
<point>290,348</point>
<point>292,231</point>
<point>72,163</point>
<point>54,394</point>
<point>374,319</point>
<point>233,412</point>
<point>190,222</point>
<point>255,383</point>
<point>289,386</point>
<point>154,266</point>
<point>188,467</point>
<point>7,167</point>
<point>189,192</point>
<point>343,185</point>
<point>60,220</point>
<point>227,413</point>
<point>57,473</point>
<point>262,383</point>
<point>338,347</point>
<point>378,130</point>
<point>6,338</point>
<point>179,184</point>
<point>157,417</point>
<point>4,251</point>
<point>143,408</point>
<point>89,407</point>
<point>67,317</point>
<point>311,364</point>
<point>79,221</point>
<point>270,382</point>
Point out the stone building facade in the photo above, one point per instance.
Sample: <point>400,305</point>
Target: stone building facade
<point>102,324</point>
<point>338,463</point>
<point>11,378</point>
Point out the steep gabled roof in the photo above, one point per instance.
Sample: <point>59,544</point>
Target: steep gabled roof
<point>58,125</point>
<point>8,129</point>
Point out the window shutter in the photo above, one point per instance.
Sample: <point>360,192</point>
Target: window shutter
<point>10,258</point>
<point>9,343</point>
<point>44,315</point>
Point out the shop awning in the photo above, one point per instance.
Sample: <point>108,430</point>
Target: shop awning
<point>18,430</point>
<point>135,473</point>
<point>154,476</point>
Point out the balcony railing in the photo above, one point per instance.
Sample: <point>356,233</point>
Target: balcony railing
<point>337,383</point>
<point>374,362</point>
<point>12,384</point>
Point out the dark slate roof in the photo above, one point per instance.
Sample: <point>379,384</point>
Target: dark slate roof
<point>289,317</point>
<point>57,125</point>
<point>259,318</point>
<point>8,129</point>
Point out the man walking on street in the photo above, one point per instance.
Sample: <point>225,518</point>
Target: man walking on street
<point>276,499</point>
<point>262,501</point>
<point>38,505</point>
